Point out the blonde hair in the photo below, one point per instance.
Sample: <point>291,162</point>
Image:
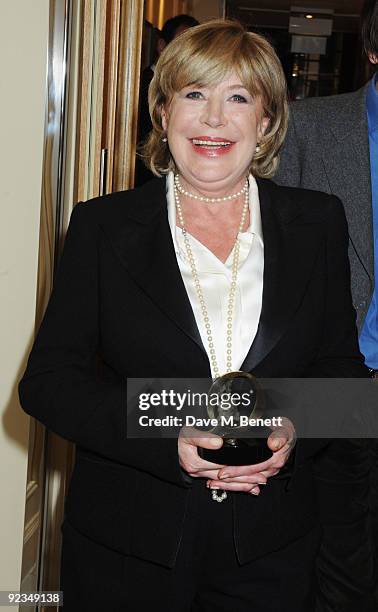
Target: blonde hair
<point>204,56</point>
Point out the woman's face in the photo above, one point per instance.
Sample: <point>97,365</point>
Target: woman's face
<point>212,133</point>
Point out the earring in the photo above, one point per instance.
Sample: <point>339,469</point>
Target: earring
<point>164,139</point>
<point>258,147</point>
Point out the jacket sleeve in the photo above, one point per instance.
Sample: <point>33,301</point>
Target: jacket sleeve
<point>339,355</point>
<point>345,568</point>
<point>60,386</point>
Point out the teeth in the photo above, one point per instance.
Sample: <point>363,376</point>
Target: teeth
<point>210,143</point>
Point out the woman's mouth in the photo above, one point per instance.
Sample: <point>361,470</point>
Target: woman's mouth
<point>211,147</point>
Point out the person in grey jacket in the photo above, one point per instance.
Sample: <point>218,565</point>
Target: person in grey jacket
<point>332,146</point>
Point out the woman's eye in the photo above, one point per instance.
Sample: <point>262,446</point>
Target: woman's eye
<point>238,98</point>
<point>194,95</point>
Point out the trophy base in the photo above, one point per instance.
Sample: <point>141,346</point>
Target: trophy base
<point>242,451</point>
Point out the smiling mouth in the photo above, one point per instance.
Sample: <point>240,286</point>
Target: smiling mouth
<point>202,142</point>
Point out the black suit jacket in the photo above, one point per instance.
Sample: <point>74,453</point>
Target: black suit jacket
<point>119,293</point>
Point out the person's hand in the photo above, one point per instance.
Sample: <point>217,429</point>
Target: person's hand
<point>247,478</point>
<point>188,442</point>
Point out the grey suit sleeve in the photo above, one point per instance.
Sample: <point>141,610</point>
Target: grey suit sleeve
<point>289,170</point>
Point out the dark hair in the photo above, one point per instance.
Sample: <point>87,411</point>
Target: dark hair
<point>171,26</point>
<point>369,27</point>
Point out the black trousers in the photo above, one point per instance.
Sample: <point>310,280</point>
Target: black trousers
<point>345,565</point>
<point>374,508</point>
<point>206,578</point>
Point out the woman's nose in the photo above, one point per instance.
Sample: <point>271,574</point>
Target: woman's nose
<point>213,114</point>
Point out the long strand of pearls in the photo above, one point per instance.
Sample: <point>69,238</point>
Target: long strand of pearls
<point>200,198</point>
<point>197,284</point>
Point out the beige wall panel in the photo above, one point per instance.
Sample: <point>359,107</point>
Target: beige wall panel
<point>23,57</point>
<point>203,10</point>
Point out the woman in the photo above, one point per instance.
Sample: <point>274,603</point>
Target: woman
<point>211,269</point>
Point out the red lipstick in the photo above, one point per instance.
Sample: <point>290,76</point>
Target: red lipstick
<point>209,146</point>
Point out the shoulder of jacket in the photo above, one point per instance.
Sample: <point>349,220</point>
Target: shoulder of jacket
<point>324,104</point>
<point>116,204</point>
<point>312,204</point>
<point>322,101</point>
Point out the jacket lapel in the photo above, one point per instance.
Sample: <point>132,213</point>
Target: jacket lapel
<point>290,249</point>
<point>144,245</point>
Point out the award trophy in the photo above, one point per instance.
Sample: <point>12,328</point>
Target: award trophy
<point>242,444</point>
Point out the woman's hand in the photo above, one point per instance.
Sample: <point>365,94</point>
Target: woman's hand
<point>247,478</point>
<point>189,441</point>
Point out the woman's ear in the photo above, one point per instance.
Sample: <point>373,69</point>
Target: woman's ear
<point>263,125</point>
<point>164,120</point>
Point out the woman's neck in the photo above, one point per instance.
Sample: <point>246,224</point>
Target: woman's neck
<point>213,191</point>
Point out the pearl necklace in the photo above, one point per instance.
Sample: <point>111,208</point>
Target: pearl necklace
<point>197,284</point>
<point>181,189</point>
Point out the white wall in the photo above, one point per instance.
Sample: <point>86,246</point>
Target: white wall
<point>23,59</point>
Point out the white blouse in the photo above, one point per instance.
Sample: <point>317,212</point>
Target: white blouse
<point>215,279</point>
